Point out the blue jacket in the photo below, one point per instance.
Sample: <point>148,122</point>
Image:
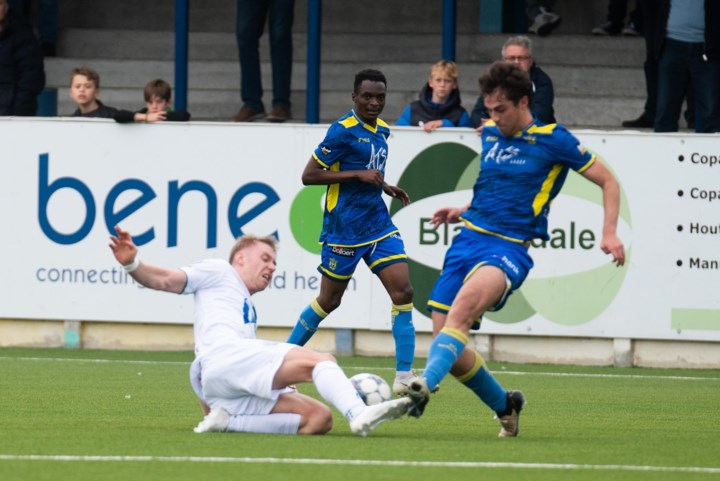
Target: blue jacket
<point>22,75</point>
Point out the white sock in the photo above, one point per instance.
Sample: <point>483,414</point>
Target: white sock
<point>334,386</point>
<point>277,423</point>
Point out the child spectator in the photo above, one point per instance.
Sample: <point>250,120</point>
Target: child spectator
<point>438,104</point>
<point>84,90</point>
<point>158,95</point>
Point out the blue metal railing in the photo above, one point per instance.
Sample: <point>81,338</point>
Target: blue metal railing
<point>312,109</point>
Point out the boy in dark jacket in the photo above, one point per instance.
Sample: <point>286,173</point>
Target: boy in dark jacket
<point>438,104</point>
<point>158,96</point>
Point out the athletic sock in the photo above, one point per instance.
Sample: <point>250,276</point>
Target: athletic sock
<point>480,381</point>
<point>334,386</point>
<point>307,324</point>
<point>444,351</point>
<point>276,423</point>
<point>404,334</point>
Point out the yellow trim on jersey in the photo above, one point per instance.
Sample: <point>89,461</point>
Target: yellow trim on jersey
<point>320,161</point>
<point>485,231</point>
<point>318,310</point>
<point>542,129</point>
<point>333,193</point>
<point>456,333</point>
<point>365,243</point>
<point>444,307</point>
<point>351,121</point>
<point>587,166</point>
<point>335,276</point>
<point>541,198</point>
<point>387,259</point>
<point>478,363</point>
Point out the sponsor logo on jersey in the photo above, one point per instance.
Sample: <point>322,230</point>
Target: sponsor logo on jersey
<point>325,151</point>
<point>343,251</point>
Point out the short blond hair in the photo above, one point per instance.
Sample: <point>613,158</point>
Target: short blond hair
<point>249,239</point>
<point>86,72</point>
<point>446,67</point>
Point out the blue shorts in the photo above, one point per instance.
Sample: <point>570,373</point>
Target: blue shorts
<point>470,250</point>
<point>338,263</point>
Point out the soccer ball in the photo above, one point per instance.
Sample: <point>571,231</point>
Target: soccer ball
<point>372,388</point>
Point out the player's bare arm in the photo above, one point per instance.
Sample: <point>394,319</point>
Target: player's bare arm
<point>397,193</point>
<point>611,243</point>
<point>316,174</point>
<point>153,277</point>
<point>447,215</point>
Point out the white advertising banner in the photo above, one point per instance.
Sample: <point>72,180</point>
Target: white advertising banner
<point>185,191</point>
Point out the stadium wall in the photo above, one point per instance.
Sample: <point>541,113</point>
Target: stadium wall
<point>187,190</point>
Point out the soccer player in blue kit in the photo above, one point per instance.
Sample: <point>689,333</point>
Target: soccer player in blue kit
<point>523,166</point>
<point>356,224</point>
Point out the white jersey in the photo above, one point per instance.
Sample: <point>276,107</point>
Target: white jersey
<point>224,313</point>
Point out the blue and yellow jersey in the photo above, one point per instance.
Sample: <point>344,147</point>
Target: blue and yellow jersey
<point>519,178</point>
<point>355,213</point>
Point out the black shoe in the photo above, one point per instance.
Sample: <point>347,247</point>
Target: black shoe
<point>641,122</point>
<point>510,419</point>
<point>419,394</point>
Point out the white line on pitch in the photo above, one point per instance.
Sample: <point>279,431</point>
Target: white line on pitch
<point>360,462</point>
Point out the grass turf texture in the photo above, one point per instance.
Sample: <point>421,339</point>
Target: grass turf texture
<point>580,423</point>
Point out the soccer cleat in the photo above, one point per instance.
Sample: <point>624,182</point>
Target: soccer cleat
<point>373,416</point>
<point>544,22</point>
<point>402,381</point>
<point>217,420</point>
<point>419,395</point>
<point>510,423</point>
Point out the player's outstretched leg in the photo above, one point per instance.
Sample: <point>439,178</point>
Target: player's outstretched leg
<point>373,416</point>
<point>510,419</point>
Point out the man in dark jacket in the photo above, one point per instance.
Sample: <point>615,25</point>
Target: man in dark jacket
<point>518,50</point>
<point>686,42</point>
<point>22,75</point>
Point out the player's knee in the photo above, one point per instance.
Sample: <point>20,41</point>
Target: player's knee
<point>330,301</point>
<point>318,420</point>
<point>402,294</point>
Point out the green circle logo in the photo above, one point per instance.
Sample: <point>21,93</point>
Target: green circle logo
<point>571,298</point>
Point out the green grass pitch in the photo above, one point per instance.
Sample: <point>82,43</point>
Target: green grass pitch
<point>110,415</point>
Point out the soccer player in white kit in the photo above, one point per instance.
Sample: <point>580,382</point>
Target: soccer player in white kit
<point>247,383</point>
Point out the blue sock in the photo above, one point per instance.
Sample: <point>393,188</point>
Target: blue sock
<point>444,351</point>
<point>480,381</point>
<point>310,319</point>
<point>404,334</point>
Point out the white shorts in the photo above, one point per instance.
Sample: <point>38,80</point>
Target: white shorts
<point>239,377</point>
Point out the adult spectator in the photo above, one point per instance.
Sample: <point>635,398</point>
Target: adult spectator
<point>46,21</point>
<point>687,41</point>
<point>518,50</point>
<point>22,75</point>
<point>251,18</point>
